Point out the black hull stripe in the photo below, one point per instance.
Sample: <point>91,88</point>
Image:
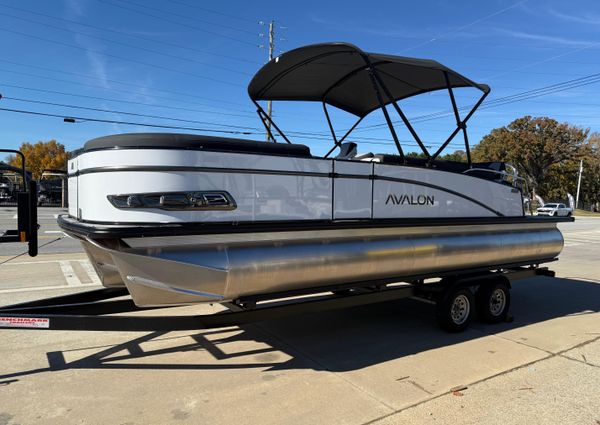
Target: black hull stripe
<point>171,168</point>
<point>104,229</point>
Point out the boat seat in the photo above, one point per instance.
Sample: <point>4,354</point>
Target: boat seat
<point>364,156</point>
<point>195,142</point>
<point>450,166</point>
<point>348,150</point>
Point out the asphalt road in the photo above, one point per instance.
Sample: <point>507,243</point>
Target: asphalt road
<point>386,364</point>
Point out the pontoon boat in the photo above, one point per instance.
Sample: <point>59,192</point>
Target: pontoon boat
<point>183,219</point>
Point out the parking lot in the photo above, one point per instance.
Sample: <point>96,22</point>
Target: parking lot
<point>386,363</point>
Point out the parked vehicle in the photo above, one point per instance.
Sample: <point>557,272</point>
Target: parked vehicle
<point>6,189</point>
<point>555,210</point>
<point>52,188</point>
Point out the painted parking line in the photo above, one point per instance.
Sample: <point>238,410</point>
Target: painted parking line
<point>42,288</point>
<point>69,273</point>
<point>55,232</point>
<point>89,270</point>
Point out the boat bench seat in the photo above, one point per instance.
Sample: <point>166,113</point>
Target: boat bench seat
<point>450,166</point>
<point>195,142</point>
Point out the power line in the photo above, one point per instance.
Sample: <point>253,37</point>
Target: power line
<point>153,65</point>
<point>104,88</point>
<point>123,33</point>
<point>243,113</point>
<point>517,97</point>
<point>109,80</point>
<point>311,135</point>
<point>84,119</point>
<point>591,79</point>
<point>131,102</point>
<point>145,6</point>
<point>164,19</point>
<point>131,46</point>
<point>195,6</point>
<point>72,118</point>
<point>112,111</point>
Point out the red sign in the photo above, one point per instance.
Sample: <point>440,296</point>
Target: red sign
<point>24,322</point>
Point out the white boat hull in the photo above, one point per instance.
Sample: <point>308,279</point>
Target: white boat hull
<point>269,188</point>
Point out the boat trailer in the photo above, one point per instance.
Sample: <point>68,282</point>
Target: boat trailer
<point>100,310</point>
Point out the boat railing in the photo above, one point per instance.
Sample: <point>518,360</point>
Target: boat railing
<point>513,178</point>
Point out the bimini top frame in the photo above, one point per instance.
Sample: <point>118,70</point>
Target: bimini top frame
<point>344,76</point>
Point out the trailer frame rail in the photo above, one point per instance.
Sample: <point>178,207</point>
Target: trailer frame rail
<point>99,310</point>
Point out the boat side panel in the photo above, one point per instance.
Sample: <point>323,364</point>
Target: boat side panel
<point>352,197</point>
<point>299,189</point>
<point>258,197</point>
<point>421,192</point>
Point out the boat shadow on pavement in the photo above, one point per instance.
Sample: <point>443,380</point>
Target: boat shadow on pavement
<point>337,341</point>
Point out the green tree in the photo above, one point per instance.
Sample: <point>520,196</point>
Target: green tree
<point>541,148</point>
<point>41,156</point>
<point>590,180</point>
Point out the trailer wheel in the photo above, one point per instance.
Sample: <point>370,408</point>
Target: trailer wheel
<point>454,311</point>
<point>493,302</point>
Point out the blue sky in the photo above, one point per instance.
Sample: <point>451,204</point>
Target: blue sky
<point>192,60</point>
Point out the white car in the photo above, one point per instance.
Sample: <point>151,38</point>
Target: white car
<point>552,210</point>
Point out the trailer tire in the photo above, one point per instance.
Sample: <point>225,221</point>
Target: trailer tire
<point>454,310</point>
<point>493,301</point>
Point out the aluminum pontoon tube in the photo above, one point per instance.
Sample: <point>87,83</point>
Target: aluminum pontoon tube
<point>216,268</point>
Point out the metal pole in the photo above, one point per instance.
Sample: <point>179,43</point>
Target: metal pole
<point>579,183</point>
<point>63,201</point>
<point>459,123</point>
<point>388,120</point>
<point>271,48</point>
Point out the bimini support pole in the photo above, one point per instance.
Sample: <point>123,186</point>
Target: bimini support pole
<point>402,116</point>
<point>264,123</point>
<point>263,115</point>
<point>339,142</point>
<point>462,125</point>
<point>330,125</point>
<point>371,72</point>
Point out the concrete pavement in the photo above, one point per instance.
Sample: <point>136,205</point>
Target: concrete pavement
<point>386,363</point>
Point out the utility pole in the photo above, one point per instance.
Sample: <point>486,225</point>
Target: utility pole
<point>579,183</point>
<point>271,49</point>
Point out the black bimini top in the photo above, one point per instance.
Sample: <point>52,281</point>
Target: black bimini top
<point>338,74</point>
<point>192,142</point>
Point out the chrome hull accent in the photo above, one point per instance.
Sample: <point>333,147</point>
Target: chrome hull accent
<point>215,268</point>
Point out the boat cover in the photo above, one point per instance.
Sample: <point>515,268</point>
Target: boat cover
<point>338,74</point>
